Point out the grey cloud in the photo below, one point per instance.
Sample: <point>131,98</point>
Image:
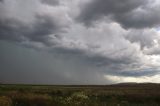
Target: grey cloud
<point>50,2</point>
<point>138,73</point>
<point>42,28</point>
<point>80,55</point>
<point>57,67</point>
<point>39,31</point>
<point>129,13</point>
<point>144,37</point>
<point>124,66</point>
<point>97,60</point>
<point>143,18</point>
<point>34,25</point>
<point>22,65</point>
<point>152,50</point>
<point>8,30</point>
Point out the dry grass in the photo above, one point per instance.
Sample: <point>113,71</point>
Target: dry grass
<point>5,101</point>
<point>117,95</point>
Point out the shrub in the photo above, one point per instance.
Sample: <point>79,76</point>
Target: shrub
<point>5,101</point>
<point>77,99</point>
<point>32,100</point>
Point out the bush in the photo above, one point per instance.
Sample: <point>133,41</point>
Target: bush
<point>5,101</point>
<point>77,99</point>
<point>32,100</point>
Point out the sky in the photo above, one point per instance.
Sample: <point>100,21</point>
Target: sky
<point>79,41</point>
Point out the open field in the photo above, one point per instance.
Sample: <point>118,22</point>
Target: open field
<point>80,95</point>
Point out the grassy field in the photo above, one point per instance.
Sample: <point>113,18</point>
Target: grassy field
<point>109,95</point>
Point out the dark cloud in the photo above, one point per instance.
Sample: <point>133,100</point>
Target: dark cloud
<point>8,30</point>
<point>154,51</point>
<point>23,65</point>
<point>144,37</point>
<point>129,13</point>
<point>45,42</point>
<point>96,60</point>
<point>29,23</point>
<point>124,66</point>
<point>143,18</point>
<point>39,31</point>
<point>50,2</point>
<point>42,28</point>
<point>70,66</point>
<point>138,73</point>
<point>97,8</point>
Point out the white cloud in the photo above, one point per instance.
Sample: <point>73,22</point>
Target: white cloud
<point>143,79</point>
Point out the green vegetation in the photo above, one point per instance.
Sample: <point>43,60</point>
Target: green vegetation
<point>110,95</point>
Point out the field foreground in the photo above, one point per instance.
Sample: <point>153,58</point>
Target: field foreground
<point>80,95</point>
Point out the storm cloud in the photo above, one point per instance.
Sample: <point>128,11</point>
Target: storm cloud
<point>37,28</point>
<point>128,13</point>
<point>80,42</point>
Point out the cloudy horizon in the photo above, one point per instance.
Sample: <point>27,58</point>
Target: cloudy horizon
<point>79,41</point>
